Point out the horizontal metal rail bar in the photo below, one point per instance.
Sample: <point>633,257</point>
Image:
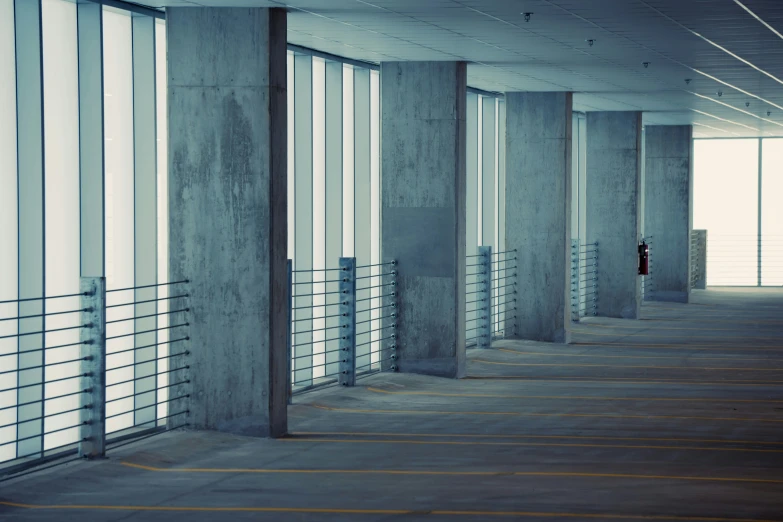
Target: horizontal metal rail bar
<point>45,365</point>
<point>316,318</point>
<point>47,331</point>
<point>475,301</point>
<point>147,286</point>
<point>504,261</point>
<point>504,312</point>
<point>148,346</point>
<point>157,403</point>
<point>376,340</point>
<point>393,283</point>
<point>23,352</point>
<point>335,292</point>
<point>147,331</point>
<point>25,421</point>
<point>476,255</point>
<point>156,374</point>
<point>149,301</point>
<point>503,286</point>
<point>125,397</point>
<point>317,270</point>
<point>39,401</point>
<point>147,362</point>
<point>475,264</point>
<point>319,282</point>
<point>392,305</point>
<point>312,354</point>
<point>503,252</point>
<point>376,362</point>
<point>44,434</point>
<point>376,319</point>
<point>21,317</point>
<point>393,272</point>
<point>376,297</point>
<point>147,316</point>
<point>318,329</point>
<point>311,306</point>
<point>315,342</point>
<point>378,264</point>
<point>26,299</point>
<point>48,381</point>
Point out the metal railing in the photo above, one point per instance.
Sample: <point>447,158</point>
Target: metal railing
<point>648,281</point>
<point>63,392</point>
<point>744,260</point>
<point>584,279</point>
<point>343,323</point>
<point>698,259</point>
<point>490,296</point>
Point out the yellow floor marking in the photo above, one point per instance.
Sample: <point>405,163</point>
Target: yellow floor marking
<point>518,436</point>
<point>590,324</point>
<point>623,380</point>
<point>338,511</point>
<point>629,366</point>
<point>453,473</point>
<point>528,414</point>
<point>591,355</point>
<point>567,397</point>
<point>534,444</point>
<point>716,337</point>
<point>684,346</point>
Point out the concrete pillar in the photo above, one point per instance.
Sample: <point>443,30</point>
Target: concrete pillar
<point>538,214</point>
<point>227,200</point>
<point>614,167</point>
<point>668,207</point>
<point>423,198</point>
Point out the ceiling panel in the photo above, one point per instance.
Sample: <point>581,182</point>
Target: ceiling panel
<point>717,64</point>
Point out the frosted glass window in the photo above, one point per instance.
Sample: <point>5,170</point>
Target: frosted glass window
<point>375,210</point>
<point>348,162</point>
<point>163,211</point>
<point>291,157</point>
<point>8,226</point>
<point>119,179</point>
<point>62,223</point>
<point>726,205</point>
<point>319,212</point>
<point>772,212</point>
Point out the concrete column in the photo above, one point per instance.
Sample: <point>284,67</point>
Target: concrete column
<point>227,200</point>
<point>538,214</point>
<point>614,167</point>
<point>668,207</point>
<point>423,198</point>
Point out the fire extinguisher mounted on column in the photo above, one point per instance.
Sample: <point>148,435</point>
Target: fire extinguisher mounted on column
<point>644,258</point>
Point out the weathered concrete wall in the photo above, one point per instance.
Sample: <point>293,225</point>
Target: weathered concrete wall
<point>227,202</point>
<point>538,210</point>
<point>667,212</point>
<point>614,163</point>
<point>423,202</point>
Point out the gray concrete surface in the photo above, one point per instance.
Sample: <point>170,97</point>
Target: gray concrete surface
<point>675,416</point>
<point>423,200</point>
<point>614,163</point>
<point>227,205</point>
<point>538,223</point>
<point>668,208</point>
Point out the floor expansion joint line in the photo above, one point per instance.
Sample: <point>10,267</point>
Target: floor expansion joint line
<point>528,414</point>
<point>691,368</point>
<point>601,356</point>
<point>530,444</point>
<point>561,474</point>
<point>571,397</point>
<point>339,511</point>
<point>622,380</point>
<point>524,436</point>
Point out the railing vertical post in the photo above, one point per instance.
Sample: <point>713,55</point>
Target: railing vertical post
<point>93,352</point>
<point>575,280</point>
<point>289,350</point>
<point>347,309</point>
<point>484,322</point>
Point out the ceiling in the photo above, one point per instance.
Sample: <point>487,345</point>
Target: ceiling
<point>716,64</point>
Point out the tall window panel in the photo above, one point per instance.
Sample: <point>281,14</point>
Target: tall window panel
<point>119,219</point>
<point>486,185</point>
<point>8,230</point>
<point>333,197</point>
<point>161,116</point>
<point>771,212</point>
<point>726,204</point>
<point>61,197</point>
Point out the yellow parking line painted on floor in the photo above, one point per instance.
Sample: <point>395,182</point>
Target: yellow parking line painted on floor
<point>529,414</point>
<point>590,324</point>
<point>591,355</point>
<point>338,511</point>
<point>622,380</point>
<point>533,444</point>
<point>519,436</point>
<point>716,337</point>
<point>629,366</point>
<point>684,346</point>
<point>574,474</point>
<point>568,397</point>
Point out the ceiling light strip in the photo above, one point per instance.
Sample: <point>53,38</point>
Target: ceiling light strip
<point>725,120</point>
<point>757,17</point>
<point>737,109</point>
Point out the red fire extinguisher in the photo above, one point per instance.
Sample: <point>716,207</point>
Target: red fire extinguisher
<point>644,258</point>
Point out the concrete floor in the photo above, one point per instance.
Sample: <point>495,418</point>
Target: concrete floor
<point>676,416</point>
